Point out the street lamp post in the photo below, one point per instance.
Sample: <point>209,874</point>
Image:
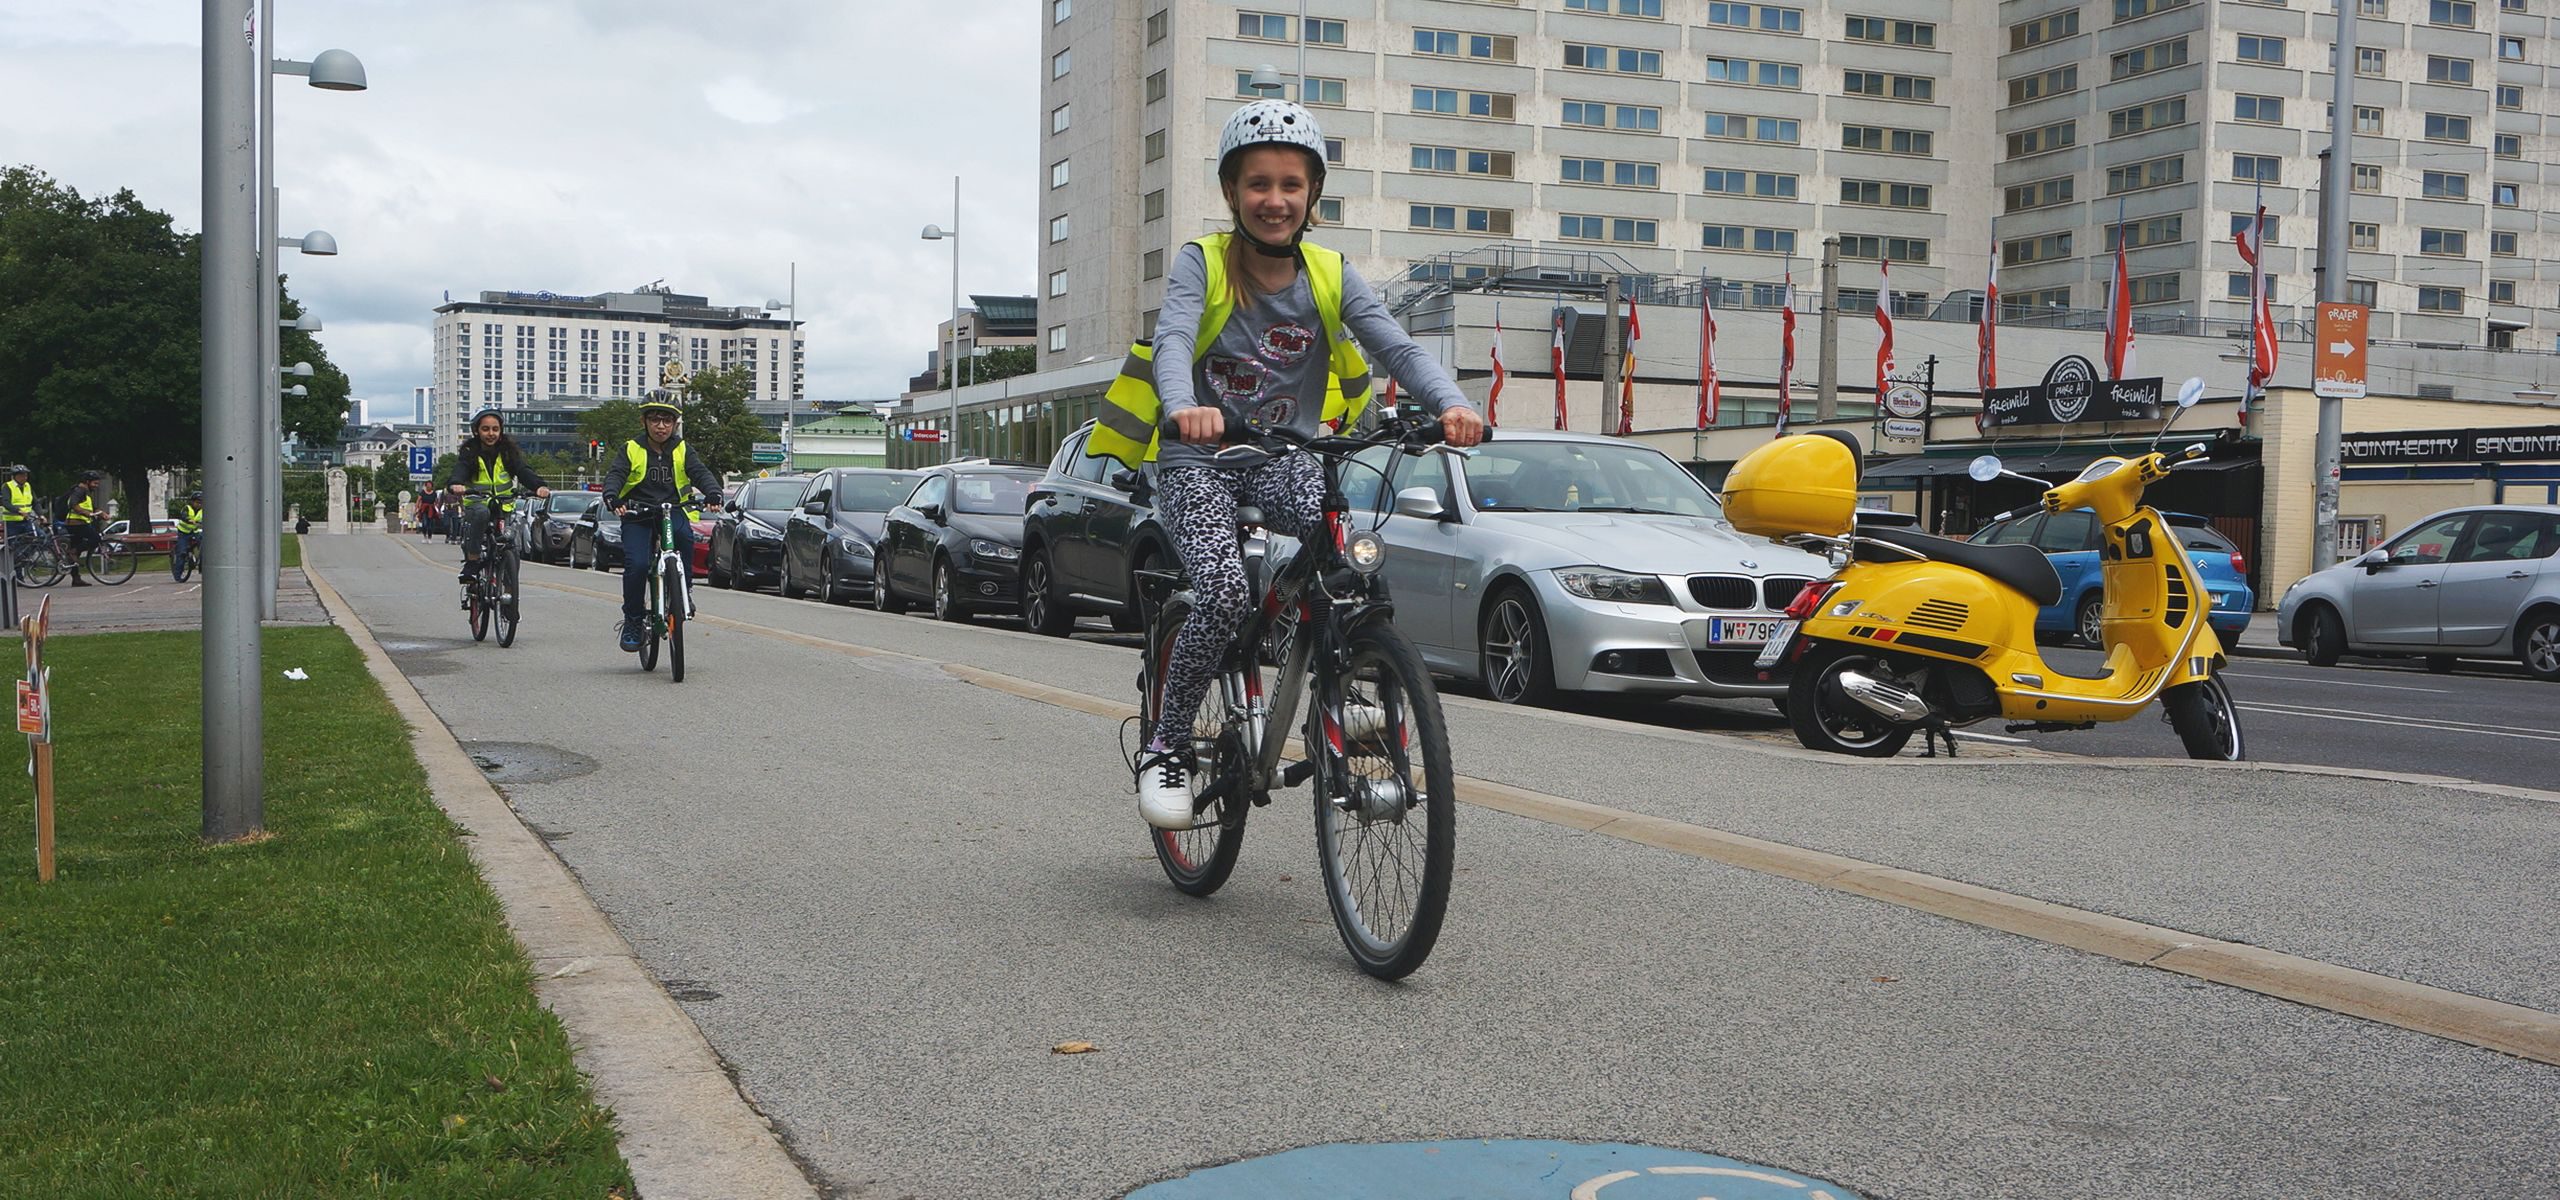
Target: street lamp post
<point>951,357</point>
<point>233,389</point>
<point>790,363</point>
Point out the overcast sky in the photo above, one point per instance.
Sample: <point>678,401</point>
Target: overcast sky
<point>582,146</point>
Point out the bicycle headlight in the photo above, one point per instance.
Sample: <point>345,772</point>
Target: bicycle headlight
<point>1594,583</point>
<point>1365,551</point>
<point>998,551</point>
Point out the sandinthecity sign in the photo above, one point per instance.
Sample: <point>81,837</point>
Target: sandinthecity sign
<point>2072,393</point>
<point>2526,444</point>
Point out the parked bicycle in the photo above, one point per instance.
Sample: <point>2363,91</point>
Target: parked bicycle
<point>38,554</point>
<point>490,598</point>
<point>670,594</point>
<point>110,562</point>
<point>1373,738</point>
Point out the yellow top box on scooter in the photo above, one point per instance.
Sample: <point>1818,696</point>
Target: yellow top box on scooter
<point>1804,483</point>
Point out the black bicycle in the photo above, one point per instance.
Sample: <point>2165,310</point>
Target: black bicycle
<point>37,553</point>
<point>1373,739</point>
<point>186,556</point>
<point>489,600</point>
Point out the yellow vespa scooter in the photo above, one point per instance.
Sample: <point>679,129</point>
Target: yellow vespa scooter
<point>1917,633</point>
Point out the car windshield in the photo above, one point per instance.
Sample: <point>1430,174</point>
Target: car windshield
<point>1529,476</point>
<point>570,501</point>
<point>767,494</point>
<point>872,493</point>
<point>991,494</point>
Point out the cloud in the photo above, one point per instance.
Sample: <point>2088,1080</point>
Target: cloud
<point>585,147</point>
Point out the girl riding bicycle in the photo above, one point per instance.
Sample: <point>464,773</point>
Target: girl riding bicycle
<point>1253,325</point>
<point>487,459</point>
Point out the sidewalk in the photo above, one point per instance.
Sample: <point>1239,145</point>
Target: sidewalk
<point>154,601</point>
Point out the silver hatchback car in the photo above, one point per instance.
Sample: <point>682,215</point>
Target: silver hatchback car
<point>1540,563</point>
<point>2477,582</point>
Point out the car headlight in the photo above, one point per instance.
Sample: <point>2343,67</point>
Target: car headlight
<point>855,546</point>
<point>998,551</point>
<point>1593,583</point>
<point>758,533</point>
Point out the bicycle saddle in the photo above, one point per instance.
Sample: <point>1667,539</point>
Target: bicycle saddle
<point>1248,515</point>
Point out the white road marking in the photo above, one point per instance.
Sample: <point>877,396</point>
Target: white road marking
<point>1990,737</point>
<point>2420,723</point>
<point>2390,687</point>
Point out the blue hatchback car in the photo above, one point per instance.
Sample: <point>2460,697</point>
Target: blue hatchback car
<point>2070,540</point>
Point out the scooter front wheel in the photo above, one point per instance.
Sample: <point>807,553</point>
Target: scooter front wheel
<point>1824,716</point>
<point>2206,719</point>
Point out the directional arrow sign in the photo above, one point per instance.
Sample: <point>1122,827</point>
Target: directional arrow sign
<point>2337,369</point>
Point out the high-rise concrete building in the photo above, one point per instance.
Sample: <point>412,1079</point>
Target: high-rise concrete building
<point>1702,137</point>
<point>508,350</point>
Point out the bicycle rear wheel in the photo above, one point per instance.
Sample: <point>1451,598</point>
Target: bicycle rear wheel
<point>1386,806</point>
<point>109,563</point>
<point>1198,860</point>
<point>38,565</point>
<point>671,584</point>
<point>181,564</point>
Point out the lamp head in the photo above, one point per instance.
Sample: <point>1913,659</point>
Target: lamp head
<point>936,233</point>
<point>300,370</point>
<point>337,71</point>
<point>297,391</point>
<point>318,242</point>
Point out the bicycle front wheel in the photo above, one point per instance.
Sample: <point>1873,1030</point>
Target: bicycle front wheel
<point>38,565</point>
<point>671,585</point>
<point>476,602</point>
<point>1386,804</point>
<point>498,581</point>
<point>181,564</point>
<point>1198,860</point>
<point>109,563</point>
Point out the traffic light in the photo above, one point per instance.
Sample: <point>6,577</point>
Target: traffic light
<point>595,450</point>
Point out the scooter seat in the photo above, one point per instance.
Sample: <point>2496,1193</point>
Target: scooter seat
<point>2016,564</point>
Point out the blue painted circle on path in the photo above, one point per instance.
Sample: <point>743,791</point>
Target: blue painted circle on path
<point>1484,1170</point>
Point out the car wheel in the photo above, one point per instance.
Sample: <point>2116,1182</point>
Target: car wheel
<point>827,581</point>
<point>1512,650</point>
<point>2439,664</point>
<point>720,578</point>
<point>946,602</point>
<point>2323,636</point>
<point>1043,610</point>
<point>2089,623</point>
<point>2538,643</point>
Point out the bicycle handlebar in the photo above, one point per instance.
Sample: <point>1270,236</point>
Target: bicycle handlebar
<point>1412,437</point>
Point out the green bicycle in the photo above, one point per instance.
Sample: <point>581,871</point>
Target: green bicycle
<point>670,603</point>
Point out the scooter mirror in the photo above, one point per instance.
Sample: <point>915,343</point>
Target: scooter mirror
<point>2190,392</point>
<point>1984,469</point>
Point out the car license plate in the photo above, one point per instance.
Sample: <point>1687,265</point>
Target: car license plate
<point>1729,631</point>
<point>1777,647</point>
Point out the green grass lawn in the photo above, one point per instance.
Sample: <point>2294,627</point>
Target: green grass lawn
<point>335,1010</point>
<point>291,553</point>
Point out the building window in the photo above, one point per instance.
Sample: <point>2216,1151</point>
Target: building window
<point>2373,8</point>
<point>2365,178</point>
<point>1152,208</point>
<point>2440,299</point>
<point>2511,49</point>
<point>2241,222</point>
<point>1753,240</point>
<point>1431,216</point>
<point>1159,23</point>
<point>1620,60</point>
<point>1058,279</point>
<point>1058,63</point>
<point>1150,265</point>
<point>1155,87</point>
<point>1334,152</point>
<point>2155,289</point>
<point>1268,27</point>
<point>1058,118</point>
<point>2445,127</point>
<point>2237,285</point>
<point>2369,61</point>
<point>2047,248</point>
<point>1058,228</point>
<point>1895,33</point>
<point>1764,17</point>
<point>2456,13</point>
<point>1057,339</point>
<point>2259,48</point>
<point>1636,118</point>
<point>2049,28</point>
<point>2368,119</point>
<point>1879,140</point>
<point>2147,231</point>
<point>1058,174</point>
<point>1624,8</point>
<point>1329,210</point>
<point>2363,235</point>
<point>1324,93</point>
<point>2127,10</point>
<point>2441,69</point>
<point>1321,32</point>
<point>2045,193</point>
<point>2445,185</point>
<point>2502,291</point>
<point>2502,244</point>
<point>1155,145</point>
<point>2158,56</point>
<point>2051,83</point>
<point>2362,291</point>
<point>2446,243</point>
<point>2510,96</point>
<point>1878,194</point>
<point>2507,195</point>
<point>2509,145</point>
<point>1060,10</point>
<point>1895,87</point>
<point>2158,172</point>
<point>2266,110</point>
<point>2264,168</point>
<point>1441,42</point>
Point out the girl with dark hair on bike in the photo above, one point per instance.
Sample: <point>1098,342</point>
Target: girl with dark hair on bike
<point>1254,324</point>
<point>487,459</point>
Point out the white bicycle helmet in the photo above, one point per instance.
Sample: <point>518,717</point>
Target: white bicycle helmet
<point>1271,121</point>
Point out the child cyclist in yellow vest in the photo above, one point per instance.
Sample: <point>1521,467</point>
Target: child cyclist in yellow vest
<point>656,470</point>
<point>1264,366</point>
<point>488,458</point>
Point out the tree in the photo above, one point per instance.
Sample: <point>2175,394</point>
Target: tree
<point>1002,363</point>
<point>716,421</point>
<point>612,423</point>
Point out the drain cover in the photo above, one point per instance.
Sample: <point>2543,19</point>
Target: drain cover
<point>527,762</point>
<point>1506,1170</point>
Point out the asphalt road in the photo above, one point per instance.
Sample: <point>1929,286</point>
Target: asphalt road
<point>884,894</point>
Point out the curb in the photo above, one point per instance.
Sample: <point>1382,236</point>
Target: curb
<point>684,1127</point>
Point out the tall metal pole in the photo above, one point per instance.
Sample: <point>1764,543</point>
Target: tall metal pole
<point>234,700</point>
<point>2334,190</point>
<point>790,362</point>
<point>270,354</point>
<point>951,364</point>
<point>1826,404</point>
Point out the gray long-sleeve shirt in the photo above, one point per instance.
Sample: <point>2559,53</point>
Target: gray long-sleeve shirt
<point>1267,368</point>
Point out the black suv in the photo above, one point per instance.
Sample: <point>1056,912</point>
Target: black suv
<point>1083,536</point>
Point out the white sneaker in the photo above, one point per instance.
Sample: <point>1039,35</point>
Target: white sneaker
<point>1164,790</point>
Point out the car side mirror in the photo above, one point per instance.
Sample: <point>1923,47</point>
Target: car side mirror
<point>931,512</point>
<point>1126,481</point>
<point>2374,560</point>
<point>815,508</point>
<point>1422,502</point>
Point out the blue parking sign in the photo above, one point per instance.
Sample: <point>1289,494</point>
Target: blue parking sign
<point>422,462</point>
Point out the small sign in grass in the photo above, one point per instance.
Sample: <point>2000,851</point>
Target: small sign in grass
<point>334,1009</point>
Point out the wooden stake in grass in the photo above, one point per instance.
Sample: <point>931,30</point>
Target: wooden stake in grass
<point>35,719</point>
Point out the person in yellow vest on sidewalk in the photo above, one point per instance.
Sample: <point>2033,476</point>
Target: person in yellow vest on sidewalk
<point>18,503</point>
<point>1257,325</point>
<point>81,520</point>
<point>658,469</point>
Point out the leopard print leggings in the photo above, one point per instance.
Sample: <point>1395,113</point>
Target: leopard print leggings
<point>1199,509</point>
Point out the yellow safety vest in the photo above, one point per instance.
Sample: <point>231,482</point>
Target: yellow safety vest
<point>492,473</point>
<point>639,458</point>
<point>22,499</point>
<point>84,512</point>
<point>1126,428</point>
<point>190,518</point>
